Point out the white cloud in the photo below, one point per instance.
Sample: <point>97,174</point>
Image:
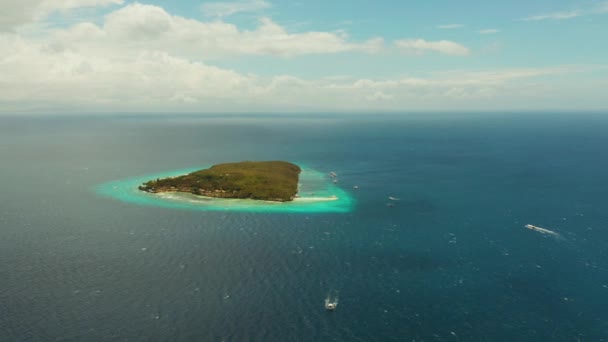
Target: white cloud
<point>599,8</point>
<point>224,9</point>
<point>141,58</point>
<point>420,46</point>
<point>555,16</point>
<point>141,22</point>
<point>40,77</point>
<point>450,26</point>
<point>34,74</point>
<point>488,31</point>
<point>145,27</point>
<point>14,13</point>
<point>49,6</point>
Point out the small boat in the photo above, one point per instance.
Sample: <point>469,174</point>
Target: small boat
<point>541,230</point>
<point>331,306</point>
<point>335,181</point>
<point>333,174</point>
<point>356,187</point>
<point>393,198</point>
<point>331,301</point>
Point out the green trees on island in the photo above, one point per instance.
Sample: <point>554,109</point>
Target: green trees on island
<point>267,180</point>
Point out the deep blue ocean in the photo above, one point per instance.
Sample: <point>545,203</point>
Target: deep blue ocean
<point>450,261</point>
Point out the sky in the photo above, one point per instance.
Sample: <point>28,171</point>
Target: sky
<point>82,56</point>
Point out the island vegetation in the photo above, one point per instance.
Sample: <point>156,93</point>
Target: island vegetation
<point>266,180</point>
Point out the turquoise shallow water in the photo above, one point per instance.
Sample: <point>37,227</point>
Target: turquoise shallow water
<point>317,194</point>
<point>450,261</point>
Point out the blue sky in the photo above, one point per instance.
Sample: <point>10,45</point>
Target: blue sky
<point>258,55</point>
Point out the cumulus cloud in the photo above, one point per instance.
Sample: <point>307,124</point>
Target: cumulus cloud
<point>42,77</point>
<point>34,74</point>
<point>224,9</point>
<point>152,28</point>
<point>142,58</point>
<point>17,12</point>
<point>49,6</point>
<point>420,46</point>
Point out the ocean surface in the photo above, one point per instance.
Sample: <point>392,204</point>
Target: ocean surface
<point>449,261</point>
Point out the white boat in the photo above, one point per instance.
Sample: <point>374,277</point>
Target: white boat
<point>393,198</point>
<point>331,301</point>
<point>541,230</point>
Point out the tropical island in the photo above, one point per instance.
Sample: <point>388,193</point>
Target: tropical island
<point>266,180</point>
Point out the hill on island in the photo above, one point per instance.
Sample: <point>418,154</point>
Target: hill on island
<point>266,180</point>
